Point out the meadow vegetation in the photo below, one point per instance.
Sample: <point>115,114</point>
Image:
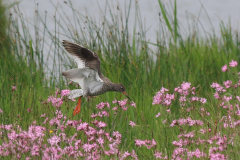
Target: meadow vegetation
<point>185,93</point>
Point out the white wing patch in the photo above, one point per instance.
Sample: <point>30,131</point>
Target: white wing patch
<point>80,63</point>
<point>98,78</point>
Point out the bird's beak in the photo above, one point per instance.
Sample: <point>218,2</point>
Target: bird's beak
<point>127,95</point>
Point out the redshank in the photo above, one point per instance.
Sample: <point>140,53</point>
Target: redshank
<point>88,75</point>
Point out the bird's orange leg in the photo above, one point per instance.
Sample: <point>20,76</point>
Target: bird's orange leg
<point>78,107</point>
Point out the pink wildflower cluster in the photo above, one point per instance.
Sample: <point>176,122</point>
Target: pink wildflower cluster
<point>220,90</point>
<point>217,143</point>
<point>147,143</point>
<point>123,104</point>
<point>20,141</point>
<point>179,152</point>
<point>158,155</point>
<point>187,121</point>
<point>57,102</point>
<point>163,98</point>
<point>127,154</point>
<point>231,64</point>
<point>184,90</point>
<point>196,154</point>
<point>102,105</point>
<point>94,140</point>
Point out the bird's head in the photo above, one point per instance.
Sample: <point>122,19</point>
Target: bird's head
<point>120,88</point>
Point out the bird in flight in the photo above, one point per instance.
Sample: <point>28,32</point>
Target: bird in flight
<point>88,75</point>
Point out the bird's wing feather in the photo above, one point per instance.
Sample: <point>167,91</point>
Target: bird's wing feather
<point>83,56</point>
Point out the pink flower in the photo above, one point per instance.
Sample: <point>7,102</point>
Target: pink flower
<point>82,126</point>
<point>176,89</point>
<point>216,95</point>
<point>224,68</point>
<point>133,104</point>
<point>168,110</point>
<point>115,108</point>
<point>158,114</point>
<point>65,92</point>
<point>227,98</point>
<point>154,143</point>
<point>233,63</point>
<point>87,147</point>
<point>177,152</point>
<point>203,100</point>
<point>217,156</point>
<point>164,121</point>
<point>57,92</point>
<point>35,150</point>
<point>132,123</point>
<point>29,110</point>
<point>178,144</point>
<point>54,140</point>
<point>43,115</point>
<point>238,98</point>
<point>101,124</point>
<point>123,102</point>
<point>1,110</point>
<point>108,105</point>
<point>124,108</point>
<point>126,154</point>
<point>202,131</point>
<point>163,98</point>
<point>105,113</point>
<point>94,115</point>
<point>139,142</point>
<point>189,135</point>
<point>14,88</point>
<point>101,105</point>
<point>57,102</point>
<point>158,154</point>
<point>185,85</point>
<point>194,98</point>
<point>228,83</point>
<point>197,154</point>
<point>217,87</point>
<point>134,155</point>
<point>114,101</point>
<point>100,140</point>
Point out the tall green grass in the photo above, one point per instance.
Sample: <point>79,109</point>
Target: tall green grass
<point>126,57</point>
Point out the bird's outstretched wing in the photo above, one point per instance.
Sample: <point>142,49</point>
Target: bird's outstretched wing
<point>83,56</point>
